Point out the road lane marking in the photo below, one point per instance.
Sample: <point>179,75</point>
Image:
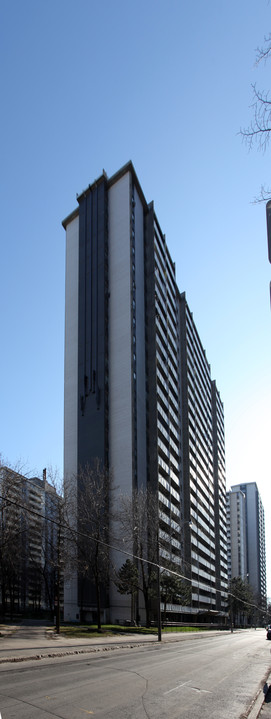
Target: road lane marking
<point>85,710</point>
<point>178,687</point>
<point>185,684</point>
<point>197,689</point>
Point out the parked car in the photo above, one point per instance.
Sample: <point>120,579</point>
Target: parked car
<point>268,632</point>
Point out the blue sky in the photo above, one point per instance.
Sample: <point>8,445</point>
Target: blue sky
<point>167,84</point>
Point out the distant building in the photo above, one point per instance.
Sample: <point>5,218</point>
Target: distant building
<point>138,391</point>
<point>237,534</point>
<point>28,546</point>
<point>248,543</point>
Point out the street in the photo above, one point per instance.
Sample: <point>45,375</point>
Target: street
<point>210,677</point>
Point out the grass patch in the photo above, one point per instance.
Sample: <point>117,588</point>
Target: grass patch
<point>109,630</point>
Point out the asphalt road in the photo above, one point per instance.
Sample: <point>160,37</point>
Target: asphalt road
<point>213,677</point>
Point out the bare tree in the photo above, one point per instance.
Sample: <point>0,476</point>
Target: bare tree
<point>155,535</point>
<point>138,519</point>
<point>60,540</point>
<point>94,488</point>
<point>35,542</point>
<point>12,539</point>
<point>258,132</point>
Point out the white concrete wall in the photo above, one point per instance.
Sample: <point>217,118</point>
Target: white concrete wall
<point>71,390</point>
<point>120,369</point>
<point>253,536</point>
<point>140,342</point>
<point>120,379</point>
<point>120,359</point>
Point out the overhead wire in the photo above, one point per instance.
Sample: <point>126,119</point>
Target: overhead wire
<point>132,555</point>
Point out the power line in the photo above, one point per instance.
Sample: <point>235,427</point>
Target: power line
<point>123,551</point>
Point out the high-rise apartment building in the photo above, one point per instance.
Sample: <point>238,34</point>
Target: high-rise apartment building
<point>220,505</point>
<point>28,519</point>
<point>255,537</point>
<point>202,422</point>
<point>138,391</point>
<point>237,534</point>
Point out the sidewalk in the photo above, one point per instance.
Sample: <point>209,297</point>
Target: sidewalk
<point>24,642</point>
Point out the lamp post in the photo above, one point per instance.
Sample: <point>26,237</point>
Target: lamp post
<point>159,628</point>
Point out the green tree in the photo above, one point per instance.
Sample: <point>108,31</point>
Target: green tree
<point>127,578</point>
<point>173,588</point>
<point>241,600</point>
<point>127,582</point>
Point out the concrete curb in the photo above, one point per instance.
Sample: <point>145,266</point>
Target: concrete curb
<point>73,652</point>
<point>259,700</point>
<point>38,652</point>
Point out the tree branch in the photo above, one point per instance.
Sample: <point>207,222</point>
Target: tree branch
<point>260,127</point>
<point>264,54</point>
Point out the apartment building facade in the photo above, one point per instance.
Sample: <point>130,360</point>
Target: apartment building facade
<point>237,534</point>
<point>247,536</point>
<point>127,369</point>
<point>28,519</point>
<point>202,420</point>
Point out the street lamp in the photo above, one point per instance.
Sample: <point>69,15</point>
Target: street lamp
<point>159,628</point>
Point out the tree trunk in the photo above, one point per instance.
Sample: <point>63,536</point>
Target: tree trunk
<point>58,603</point>
<point>98,603</point>
<point>165,610</point>
<point>147,608</point>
